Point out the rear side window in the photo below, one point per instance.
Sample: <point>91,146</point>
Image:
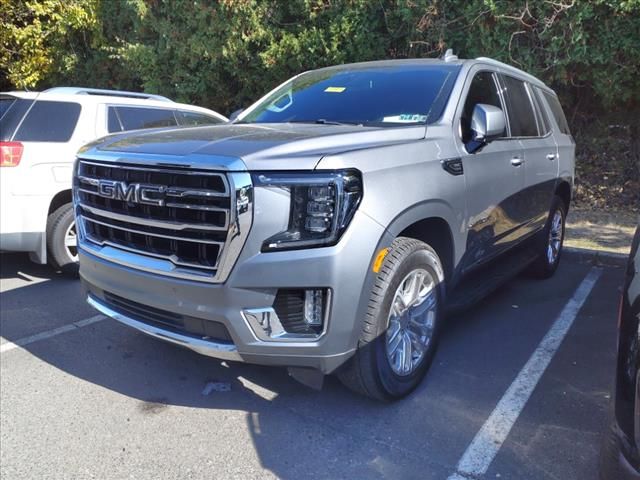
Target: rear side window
<point>11,112</point>
<point>557,112</point>
<point>192,119</point>
<point>135,118</point>
<point>483,89</point>
<point>522,117</point>
<point>544,125</point>
<point>49,122</point>
<point>6,104</point>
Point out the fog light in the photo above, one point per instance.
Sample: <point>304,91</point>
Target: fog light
<point>313,307</point>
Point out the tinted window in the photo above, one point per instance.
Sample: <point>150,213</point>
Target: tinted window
<point>400,94</point>
<point>521,115</point>
<point>49,122</point>
<point>192,119</point>
<point>558,114</point>
<point>134,118</point>
<point>113,122</point>
<point>484,90</point>
<point>5,104</point>
<point>11,113</point>
<point>541,114</point>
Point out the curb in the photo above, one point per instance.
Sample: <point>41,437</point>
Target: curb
<point>596,257</point>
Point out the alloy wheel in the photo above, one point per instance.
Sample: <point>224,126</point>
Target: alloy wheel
<point>555,237</point>
<point>71,242</point>
<point>411,321</point>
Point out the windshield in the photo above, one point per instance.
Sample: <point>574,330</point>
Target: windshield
<point>377,95</point>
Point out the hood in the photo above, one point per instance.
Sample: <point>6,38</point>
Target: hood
<point>276,146</point>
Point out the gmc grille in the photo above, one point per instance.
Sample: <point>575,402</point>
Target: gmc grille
<point>179,216</point>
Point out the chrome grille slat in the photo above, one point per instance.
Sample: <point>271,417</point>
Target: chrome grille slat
<point>159,170</point>
<point>184,239</point>
<point>153,223</point>
<point>170,192</point>
<point>174,260</point>
<point>184,192</point>
<point>89,180</point>
<point>178,217</point>
<point>191,206</point>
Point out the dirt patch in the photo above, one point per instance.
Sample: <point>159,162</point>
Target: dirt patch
<point>609,231</point>
<point>152,407</point>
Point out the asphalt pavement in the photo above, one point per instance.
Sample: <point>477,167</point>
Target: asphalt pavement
<point>94,399</point>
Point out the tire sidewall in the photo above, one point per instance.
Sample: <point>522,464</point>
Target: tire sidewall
<point>558,205</point>
<point>62,219</point>
<point>397,385</point>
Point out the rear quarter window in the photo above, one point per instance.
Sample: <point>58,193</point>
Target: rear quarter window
<point>556,110</point>
<point>49,121</point>
<point>12,111</point>
<point>192,119</point>
<point>135,118</point>
<point>6,104</point>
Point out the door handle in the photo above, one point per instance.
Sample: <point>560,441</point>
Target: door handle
<point>551,156</point>
<point>516,161</point>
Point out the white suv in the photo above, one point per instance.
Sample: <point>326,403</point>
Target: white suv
<point>40,134</point>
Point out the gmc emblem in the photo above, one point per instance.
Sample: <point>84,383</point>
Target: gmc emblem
<point>132,192</point>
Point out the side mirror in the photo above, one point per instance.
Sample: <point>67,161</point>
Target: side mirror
<point>234,115</point>
<point>487,123</point>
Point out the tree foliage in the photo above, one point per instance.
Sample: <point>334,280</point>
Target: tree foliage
<point>224,54</point>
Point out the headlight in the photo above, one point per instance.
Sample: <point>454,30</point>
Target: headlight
<point>322,205</point>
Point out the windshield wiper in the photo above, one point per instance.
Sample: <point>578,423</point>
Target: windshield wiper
<point>324,121</point>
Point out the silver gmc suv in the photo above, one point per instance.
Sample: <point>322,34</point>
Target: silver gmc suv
<point>333,224</point>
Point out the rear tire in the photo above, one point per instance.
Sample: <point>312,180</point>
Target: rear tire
<point>550,241</point>
<point>609,460</point>
<point>399,335</point>
<point>61,253</point>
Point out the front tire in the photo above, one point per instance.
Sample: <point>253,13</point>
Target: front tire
<point>62,250</point>
<point>402,324</point>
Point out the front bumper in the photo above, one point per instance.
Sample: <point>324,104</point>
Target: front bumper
<point>253,284</point>
<point>223,351</point>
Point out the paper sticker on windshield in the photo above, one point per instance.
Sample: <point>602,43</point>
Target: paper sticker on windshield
<point>335,89</point>
<point>406,118</point>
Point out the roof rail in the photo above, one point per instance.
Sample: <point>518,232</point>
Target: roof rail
<point>506,66</point>
<point>449,56</point>
<point>110,93</point>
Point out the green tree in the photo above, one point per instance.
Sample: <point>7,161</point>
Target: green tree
<point>42,39</point>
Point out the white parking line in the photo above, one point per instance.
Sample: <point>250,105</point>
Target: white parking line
<point>5,347</point>
<point>485,446</point>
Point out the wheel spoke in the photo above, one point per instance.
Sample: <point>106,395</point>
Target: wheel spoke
<point>421,326</point>
<point>426,305</point>
<point>397,306</point>
<point>412,292</point>
<point>394,343</point>
<point>406,353</point>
